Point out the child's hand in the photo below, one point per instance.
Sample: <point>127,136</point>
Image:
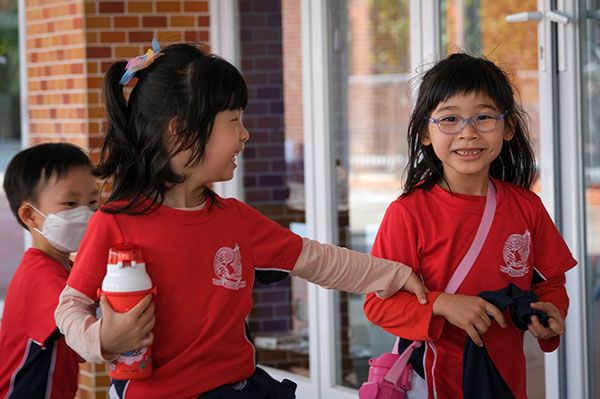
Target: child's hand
<point>123,332</point>
<point>556,323</point>
<point>469,313</point>
<point>414,285</point>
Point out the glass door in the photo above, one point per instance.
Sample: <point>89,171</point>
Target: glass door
<point>540,51</point>
<point>360,63</point>
<point>590,101</point>
<point>370,98</point>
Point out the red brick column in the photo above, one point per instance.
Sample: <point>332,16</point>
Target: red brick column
<point>55,71</point>
<point>69,46</point>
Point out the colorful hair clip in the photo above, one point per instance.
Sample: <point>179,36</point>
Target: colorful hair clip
<point>140,62</point>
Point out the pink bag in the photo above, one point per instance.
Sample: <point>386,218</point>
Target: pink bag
<point>390,375</point>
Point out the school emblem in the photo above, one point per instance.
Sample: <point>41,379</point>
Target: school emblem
<point>516,253</point>
<point>228,268</point>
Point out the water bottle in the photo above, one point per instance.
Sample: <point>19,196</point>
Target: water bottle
<point>125,284</point>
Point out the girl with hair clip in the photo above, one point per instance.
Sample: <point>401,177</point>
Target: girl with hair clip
<point>467,132</point>
<point>180,130</point>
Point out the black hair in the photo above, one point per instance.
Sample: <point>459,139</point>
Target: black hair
<point>185,85</point>
<point>463,74</point>
<point>31,169</point>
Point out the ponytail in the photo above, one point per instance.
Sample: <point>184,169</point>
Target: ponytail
<point>115,147</point>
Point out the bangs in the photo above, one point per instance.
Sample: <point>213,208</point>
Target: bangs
<point>470,75</point>
<point>58,160</point>
<point>228,88</point>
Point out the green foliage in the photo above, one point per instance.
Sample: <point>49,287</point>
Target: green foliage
<point>391,36</point>
<point>9,62</point>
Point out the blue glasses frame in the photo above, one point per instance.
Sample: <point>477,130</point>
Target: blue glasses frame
<point>464,122</point>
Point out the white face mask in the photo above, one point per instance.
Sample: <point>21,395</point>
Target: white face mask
<point>64,230</point>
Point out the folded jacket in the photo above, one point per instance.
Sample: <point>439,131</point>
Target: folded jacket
<point>481,378</point>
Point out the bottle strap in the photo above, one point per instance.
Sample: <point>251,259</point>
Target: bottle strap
<point>394,373</point>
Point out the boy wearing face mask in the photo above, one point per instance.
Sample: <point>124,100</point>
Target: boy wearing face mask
<point>52,193</point>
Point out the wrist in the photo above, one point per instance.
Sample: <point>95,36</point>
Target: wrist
<point>438,304</point>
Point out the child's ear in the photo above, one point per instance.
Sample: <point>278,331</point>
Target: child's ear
<point>509,128</point>
<point>424,137</point>
<point>28,216</point>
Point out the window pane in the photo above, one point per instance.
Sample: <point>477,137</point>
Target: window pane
<point>591,155</point>
<point>274,169</point>
<point>370,108</point>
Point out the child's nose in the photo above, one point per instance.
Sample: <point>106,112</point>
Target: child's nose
<point>244,135</point>
<point>468,132</point>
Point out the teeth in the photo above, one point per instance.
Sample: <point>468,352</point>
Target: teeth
<point>468,152</point>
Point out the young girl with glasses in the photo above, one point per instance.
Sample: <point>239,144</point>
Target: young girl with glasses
<point>179,130</point>
<point>466,132</point>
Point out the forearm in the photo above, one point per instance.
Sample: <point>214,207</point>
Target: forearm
<point>553,291</point>
<point>76,318</point>
<point>346,270</point>
<point>402,315</point>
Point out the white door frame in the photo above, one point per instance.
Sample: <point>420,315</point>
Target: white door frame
<point>574,371</point>
<point>225,42</point>
<point>24,93</point>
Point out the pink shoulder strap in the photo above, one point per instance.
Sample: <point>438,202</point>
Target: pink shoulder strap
<point>484,227</point>
<point>467,261</point>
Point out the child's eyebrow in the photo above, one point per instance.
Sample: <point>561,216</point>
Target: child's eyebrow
<point>457,108</point>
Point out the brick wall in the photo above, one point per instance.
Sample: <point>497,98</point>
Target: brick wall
<point>264,162</point>
<point>55,71</point>
<point>124,29</point>
<point>69,46</point>
<point>267,169</point>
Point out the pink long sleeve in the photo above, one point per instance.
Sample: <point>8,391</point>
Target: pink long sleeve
<point>342,269</point>
<point>76,318</point>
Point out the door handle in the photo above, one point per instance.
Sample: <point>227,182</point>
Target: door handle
<point>558,17</point>
<point>525,16</point>
<point>554,16</point>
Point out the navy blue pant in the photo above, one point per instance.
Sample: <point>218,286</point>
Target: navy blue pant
<point>259,385</point>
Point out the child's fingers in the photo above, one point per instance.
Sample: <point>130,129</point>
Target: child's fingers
<point>475,337</point>
<point>414,285</point>
<point>107,310</point>
<point>547,308</point>
<point>556,324</point>
<point>495,313</point>
<point>147,315</point>
<point>147,320</point>
<point>147,340</point>
<point>538,330</point>
<point>137,310</point>
<point>557,327</point>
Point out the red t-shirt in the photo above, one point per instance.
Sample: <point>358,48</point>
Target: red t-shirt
<point>432,231</point>
<point>202,263</point>
<point>35,360</point>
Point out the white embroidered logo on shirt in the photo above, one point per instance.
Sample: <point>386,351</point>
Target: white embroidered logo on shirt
<point>228,267</point>
<point>516,253</point>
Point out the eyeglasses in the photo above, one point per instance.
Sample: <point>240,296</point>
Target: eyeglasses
<point>452,124</point>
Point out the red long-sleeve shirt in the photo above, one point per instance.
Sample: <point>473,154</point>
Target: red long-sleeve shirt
<point>431,231</point>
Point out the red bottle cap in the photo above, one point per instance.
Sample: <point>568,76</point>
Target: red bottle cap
<point>124,252</point>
